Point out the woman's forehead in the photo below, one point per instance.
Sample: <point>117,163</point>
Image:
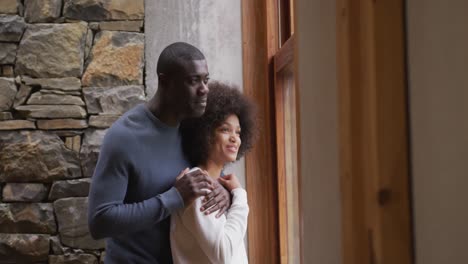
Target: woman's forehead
<point>232,120</point>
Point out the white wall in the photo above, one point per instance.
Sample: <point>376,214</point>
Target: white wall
<point>214,26</point>
<point>438,82</point>
<point>317,73</point>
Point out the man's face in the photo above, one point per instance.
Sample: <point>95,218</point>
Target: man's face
<point>190,88</point>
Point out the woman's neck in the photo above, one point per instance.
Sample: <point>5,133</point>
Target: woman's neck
<point>214,169</point>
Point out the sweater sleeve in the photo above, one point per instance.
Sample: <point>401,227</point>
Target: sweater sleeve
<point>108,215</point>
<point>219,239</point>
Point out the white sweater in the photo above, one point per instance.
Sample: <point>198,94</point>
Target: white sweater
<point>200,238</point>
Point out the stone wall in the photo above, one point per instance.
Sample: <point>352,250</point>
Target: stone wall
<point>68,70</point>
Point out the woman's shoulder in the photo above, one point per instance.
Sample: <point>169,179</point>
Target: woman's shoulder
<point>193,209</point>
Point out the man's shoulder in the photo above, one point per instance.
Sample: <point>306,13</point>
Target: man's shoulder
<point>124,127</point>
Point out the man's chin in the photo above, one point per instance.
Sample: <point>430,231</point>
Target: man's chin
<point>198,112</point>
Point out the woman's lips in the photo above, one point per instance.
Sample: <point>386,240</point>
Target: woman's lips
<point>232,149</point>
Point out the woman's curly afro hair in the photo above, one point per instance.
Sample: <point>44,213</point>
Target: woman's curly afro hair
<point>223,100</point>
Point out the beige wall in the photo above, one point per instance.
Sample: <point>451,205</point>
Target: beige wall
<point>438,81</point>
<point>318,106</point>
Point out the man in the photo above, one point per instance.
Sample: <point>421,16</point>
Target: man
<point>134,187</point>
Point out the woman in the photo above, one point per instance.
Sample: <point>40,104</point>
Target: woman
<point>222,135</point>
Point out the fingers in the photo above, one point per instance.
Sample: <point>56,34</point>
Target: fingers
<point>217,189</point>
<point>191,186</point>
<point>227,177</point>
<point>204,186</point>
<point>209,204</point>
<point>182,173</point>
<point>201,192</point>
<point>221,211</point>
<point>200,180</point>
<point>201,176</point>
<point>214,204</point>
<point>220,208</point>
<point>210,199</point>
<point>216,200</point>
<point>221,179</point>
<point>212,209</point>
<point>223,182</point>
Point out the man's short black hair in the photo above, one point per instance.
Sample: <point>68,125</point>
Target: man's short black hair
<point>171,58</point>
<point>223,100</point>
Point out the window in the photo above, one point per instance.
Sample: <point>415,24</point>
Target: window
<point>272,166</point>
<point>286,110</point>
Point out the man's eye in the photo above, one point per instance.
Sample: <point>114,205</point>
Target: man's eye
<point>206,80</point>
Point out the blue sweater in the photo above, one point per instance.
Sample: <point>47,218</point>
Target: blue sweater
<point>132,191</point>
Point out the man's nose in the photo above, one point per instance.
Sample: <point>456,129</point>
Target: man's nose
<point>203,89</point>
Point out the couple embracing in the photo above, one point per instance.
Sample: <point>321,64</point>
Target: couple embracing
<point>158,193</point>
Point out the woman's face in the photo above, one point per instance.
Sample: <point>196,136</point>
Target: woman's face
<point>226,141</point>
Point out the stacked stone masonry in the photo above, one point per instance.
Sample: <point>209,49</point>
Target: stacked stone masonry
<point>68,70</point>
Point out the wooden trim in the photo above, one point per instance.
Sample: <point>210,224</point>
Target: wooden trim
<point>285,20</point>
<point>260,43</point>
<point>284,61</point>
<point>298,135</point>
<point>285,56</point>
<point>373,132</point>
<point>281,167</point>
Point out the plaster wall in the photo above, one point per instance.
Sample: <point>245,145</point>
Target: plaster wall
<point>438,91</point>
<point>317,73</point>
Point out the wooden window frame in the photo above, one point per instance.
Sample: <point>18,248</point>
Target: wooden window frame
<point>284,21</point>
<point>285,60</point>
<point>260,43</point>
<point>262,31</point>
<point>374,166</point>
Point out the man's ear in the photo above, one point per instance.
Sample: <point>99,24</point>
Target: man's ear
<point>163,78</point>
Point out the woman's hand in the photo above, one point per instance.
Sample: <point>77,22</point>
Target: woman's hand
<point>230,182</point>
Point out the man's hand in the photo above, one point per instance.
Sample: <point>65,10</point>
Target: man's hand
<point>194,185</point>
<point>218,199</point>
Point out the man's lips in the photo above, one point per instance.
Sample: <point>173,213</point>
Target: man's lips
<point>201,102</point>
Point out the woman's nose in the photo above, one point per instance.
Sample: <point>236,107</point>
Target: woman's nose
<point>232,138</point>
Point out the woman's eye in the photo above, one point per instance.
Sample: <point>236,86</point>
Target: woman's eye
<point>238,132</point>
